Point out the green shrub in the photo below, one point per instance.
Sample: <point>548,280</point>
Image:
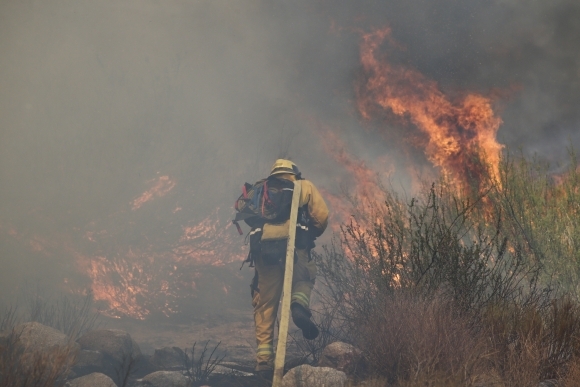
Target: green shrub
<point>542,213</point>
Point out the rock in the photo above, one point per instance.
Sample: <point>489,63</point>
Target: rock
<point>343,357</point>
<point>163,379</point>
<point>143,366</point>
<point>34,336</point>
<point>121,355</point>
<point>114,343</point>
<point>88,362</point>
<point>95,379</point>
<point>35,352</point>
<point>168,359</point>
<point>40,344</point>
<point>308,376</point>
<point>224,370</point>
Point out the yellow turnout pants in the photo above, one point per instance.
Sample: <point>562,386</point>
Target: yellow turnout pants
<point>266,298</point>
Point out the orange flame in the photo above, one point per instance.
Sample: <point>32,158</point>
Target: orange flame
<point>209,242</point>
<point>367,189</point>
<point>366,192</point>
<point>364,204</point>
<point>461,135</point>
<point>124,284</point>
<point>151,278</point>
<point>162,185</point>
<point>143,280</point>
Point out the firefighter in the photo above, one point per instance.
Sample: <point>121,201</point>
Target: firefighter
<point>269,276</point>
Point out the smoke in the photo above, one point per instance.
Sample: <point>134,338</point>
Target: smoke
<point>99,99</point>
<point>526,50</point>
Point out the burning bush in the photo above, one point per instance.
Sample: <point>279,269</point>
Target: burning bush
<point>455,289</point>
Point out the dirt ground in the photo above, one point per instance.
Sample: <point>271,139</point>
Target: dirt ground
<point>233,328</point>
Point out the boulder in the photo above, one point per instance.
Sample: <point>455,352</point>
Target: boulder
<point>35,352</point>
<point>343,357</point>
<point>112,352</point>
<point>88,362</point>
<point>114,343</point>
<point>95,379</point>
<point>168,359</point>
<point>308,376</point>
<point>163,379</point>
<point>34,336</point>
<point>142,366</point>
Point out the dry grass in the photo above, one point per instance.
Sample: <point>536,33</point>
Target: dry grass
<point>26,367</point>
<point>8,317</point>
<point>198,371</point>
<point>72,317</point>
<point>572,377</point>
<point>532,345</point>
<point>409,341</point>
<point>453,289</point>
<point>369,383</point>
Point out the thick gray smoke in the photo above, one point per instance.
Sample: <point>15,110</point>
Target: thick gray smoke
<point>530,47</point>
<point>99,97</point>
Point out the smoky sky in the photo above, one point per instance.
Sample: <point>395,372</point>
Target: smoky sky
<point>99,97</point>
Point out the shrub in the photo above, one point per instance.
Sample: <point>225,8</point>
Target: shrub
<point>24,367</point>
<point>542,213</point>
<point>439,246</point>
<point>72,317</point>
<point>199,370</point>
<point>8,317</point>
<point>411,341</point>
<point>456,288</point>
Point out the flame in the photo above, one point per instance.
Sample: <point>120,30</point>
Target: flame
<point>126,284</point>
<point>364,206</point>
<point>161,186</point>
<point>461,135</point>
<point>367,188</point>
<point>141,281</point>
<point>209,242</point>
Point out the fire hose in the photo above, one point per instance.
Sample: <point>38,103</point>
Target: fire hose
<point>287,289</point>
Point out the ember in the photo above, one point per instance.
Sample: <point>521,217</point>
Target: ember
<point>160,187</point>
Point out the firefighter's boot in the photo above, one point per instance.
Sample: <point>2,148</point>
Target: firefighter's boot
<point>265,371</point>
<point>301,317</point>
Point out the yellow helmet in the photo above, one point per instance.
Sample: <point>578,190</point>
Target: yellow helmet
<point>284,166</point>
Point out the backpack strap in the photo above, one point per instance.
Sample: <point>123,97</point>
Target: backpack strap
<point>235,222</point>
<point>245,189</point>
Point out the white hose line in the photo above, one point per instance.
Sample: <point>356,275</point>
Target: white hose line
<point>287,289</point>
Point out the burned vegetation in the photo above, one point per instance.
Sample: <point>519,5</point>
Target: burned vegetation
<point>462,287</point>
